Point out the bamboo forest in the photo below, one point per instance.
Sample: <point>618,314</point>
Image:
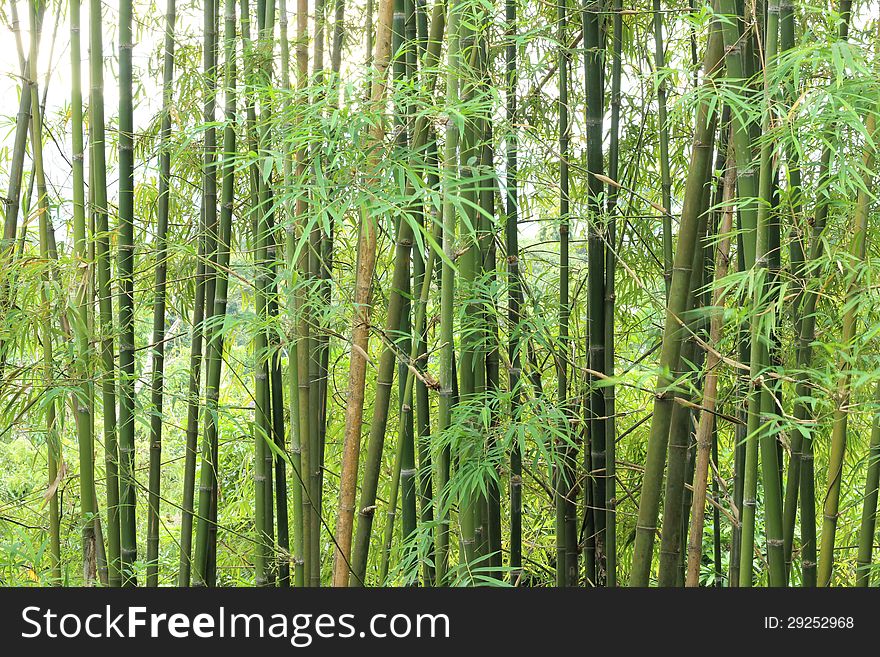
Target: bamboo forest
<point>440,293</point>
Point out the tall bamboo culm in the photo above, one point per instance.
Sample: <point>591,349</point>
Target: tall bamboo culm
<point>697,177</point>
<point>98,188</point>
<point>360,326</point>
<point>159,301</point>
<point>837,450</point>
<point>83,395</point>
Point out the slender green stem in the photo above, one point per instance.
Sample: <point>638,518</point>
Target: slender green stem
<point>673,334</point>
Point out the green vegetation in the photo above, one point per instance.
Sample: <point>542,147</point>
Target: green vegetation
<point>439,293</point>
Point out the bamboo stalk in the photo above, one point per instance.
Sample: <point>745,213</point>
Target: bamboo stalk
<point>837,449</point>
<point>663,121</point>
<point>209,464</point>
<point>407,336</point>
<point>422,399</point>
<point>610,271</point>
<point>311,559</point>
<point>53,439</point>
<point>869,507</point>
<point>385,372</point>
<point>127,483</point>
<point>802,411</point>
<point>366,263</point>
<point>488,246</point>
<point>158,356</point>
<point>318,354</point>
<point>596,241</point>
<point>738,72</point>
<point>671,538</point>
<point>82,399</point>
<point>448,378</point>
<point>761,434</point>
<point>798,265</point>
<point>514,294</point>
<point>406,401</point>
<point>12,201</point>
<point>706,427</point>
<point>98,189</point>
<point>698,174</point>
<point>566,559</point>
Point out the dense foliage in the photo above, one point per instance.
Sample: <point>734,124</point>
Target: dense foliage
<point>455,292</point>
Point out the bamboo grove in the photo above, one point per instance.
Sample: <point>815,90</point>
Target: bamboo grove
<point>439,293</point>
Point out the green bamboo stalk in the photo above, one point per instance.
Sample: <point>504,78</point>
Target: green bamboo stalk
<point>368,39</point>
<point>281,564</point>
<point>798,265</point>
<point>738,72</point>
<point>698,175</point>
<point>408,473</point>
<point>706,427</point>
<point>366,262</point>
<point>159,302</point>
<point>204,301</point>
<point>305,341</point>
<point>671,538</point>
<point>563,470</point>
<point>54,458</point>
<point>47,254</point>
<point>610,270</point>
<point>802,411</point>
<point>338,37</point>
<point>214,350</point>
<point>336,40</point>
<point>293,354</point>
<point>740,431</point>
<point>663,125</point>
<point>596,240</point>
<point>320,349</point>
<point>53,439</point>
<point>699,336</point>
<point>98,170</point>
<point>263,241</point>
<point>127,483</point>
<point>406,401</point>
<point>192,421</point>
<point>488,246</point>
<point>761,435</point>
<point>514,289</point>
<point>448,383</point>
<point>12,200</point>
<point>837,449</point>
<point>276,389</point>
<point>262,428</point>
<point>394,490</point>
<point>385,372</point>
<point>422,401</point>
<point>467,500</point>
<point>213,273</point>
<point>869,507</point>
<point>82,398</point>
<point>399,74</point>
